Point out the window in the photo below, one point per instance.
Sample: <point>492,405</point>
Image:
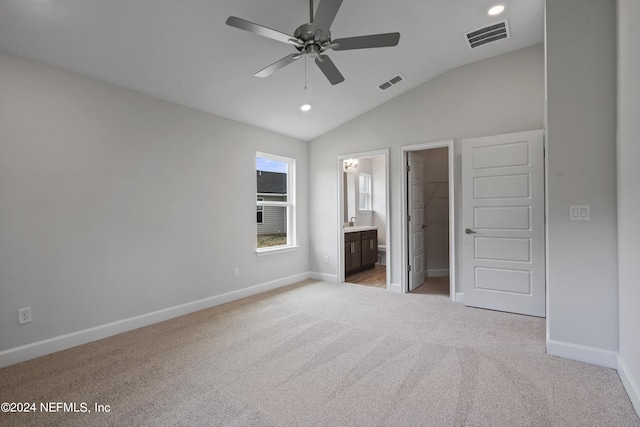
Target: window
<point>275,203</point>
<point>365,191</point>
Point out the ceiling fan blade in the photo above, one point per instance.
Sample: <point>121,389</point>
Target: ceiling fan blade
<point>329,69</point>
<point>326,13</point>
<point>278,65</point>
<point>365,42</point>
<point>260,30</point>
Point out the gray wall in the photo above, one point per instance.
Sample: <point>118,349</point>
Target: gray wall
<point>499,95</point>
<point>581,170</point>
<point>114,204</point>
<point>629,194</point>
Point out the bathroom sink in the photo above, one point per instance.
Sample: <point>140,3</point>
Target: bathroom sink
<point>355,228</point>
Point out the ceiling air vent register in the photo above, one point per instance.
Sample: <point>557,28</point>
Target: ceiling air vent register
<point>489,34</point>
<point>395,80</point>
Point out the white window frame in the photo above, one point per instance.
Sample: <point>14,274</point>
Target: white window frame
<point>289,205</point>
<point>368,193</point>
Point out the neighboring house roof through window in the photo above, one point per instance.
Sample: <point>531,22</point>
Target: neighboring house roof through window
<point>271,182</point>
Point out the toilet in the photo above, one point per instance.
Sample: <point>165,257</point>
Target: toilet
<point>382,254</point>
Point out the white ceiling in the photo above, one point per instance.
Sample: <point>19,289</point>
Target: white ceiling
<point>183,51</point>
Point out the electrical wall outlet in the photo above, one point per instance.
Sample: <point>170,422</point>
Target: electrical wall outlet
<point>326,260</point>
<point>236,272</point>
<point>24,315</point>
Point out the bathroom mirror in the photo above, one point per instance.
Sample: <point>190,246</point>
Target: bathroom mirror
<point>349,196</point>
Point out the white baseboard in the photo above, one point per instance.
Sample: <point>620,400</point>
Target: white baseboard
<point>63,342</point>
<point>460,297</point>
<point>632,387</point>
<point>438,272</point>
<point>331,278</point>
<point>396,288</point>
<point>582,353</point>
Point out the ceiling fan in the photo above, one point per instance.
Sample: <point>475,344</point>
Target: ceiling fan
<point>314,39</point>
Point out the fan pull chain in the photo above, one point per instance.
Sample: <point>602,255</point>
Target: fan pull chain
<point>305,72</point>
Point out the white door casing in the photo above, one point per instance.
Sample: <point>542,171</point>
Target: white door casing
<point>416,218</point>
<point>503,264</point>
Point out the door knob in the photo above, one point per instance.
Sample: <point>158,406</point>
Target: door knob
<point>469,231</point>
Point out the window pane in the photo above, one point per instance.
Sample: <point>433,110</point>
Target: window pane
<point>363,202</point>
<point>364,183</point>
<point>271,165</point>
<point>271,178</point>
<point>365,191</point>
<point>273,229</point>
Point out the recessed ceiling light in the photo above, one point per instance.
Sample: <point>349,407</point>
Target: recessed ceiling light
<point>496,10</point>
<point>305,107</point>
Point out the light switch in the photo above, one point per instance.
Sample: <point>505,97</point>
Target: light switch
<point>574,213</point>
<point>580,212</point>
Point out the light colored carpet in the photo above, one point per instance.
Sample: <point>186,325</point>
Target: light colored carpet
<point>319,354</point>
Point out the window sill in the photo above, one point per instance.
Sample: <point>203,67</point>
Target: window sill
<point>273,251</point>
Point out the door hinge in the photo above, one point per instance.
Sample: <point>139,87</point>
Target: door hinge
<point>408,168</point>
<point>409,267</point>
<point>408,218</point>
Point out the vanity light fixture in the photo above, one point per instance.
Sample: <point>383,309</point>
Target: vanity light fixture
<point>496,10</point>
<point>351,163</point>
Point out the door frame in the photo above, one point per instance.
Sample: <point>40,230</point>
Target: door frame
<point>340,180</point>
<point>449,144</point>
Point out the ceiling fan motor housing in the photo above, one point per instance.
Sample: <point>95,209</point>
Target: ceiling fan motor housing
<point>311,44</point>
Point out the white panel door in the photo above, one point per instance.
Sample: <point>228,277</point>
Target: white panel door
<point>503,265</point>
<point>416,214</point>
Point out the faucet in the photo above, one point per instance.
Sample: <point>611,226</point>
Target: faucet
<point>352,221</point>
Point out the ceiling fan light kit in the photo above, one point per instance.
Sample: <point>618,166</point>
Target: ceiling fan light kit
<point>314,39</point>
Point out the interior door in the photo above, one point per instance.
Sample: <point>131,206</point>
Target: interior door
<point>416,218</point>
<point>503,265</point>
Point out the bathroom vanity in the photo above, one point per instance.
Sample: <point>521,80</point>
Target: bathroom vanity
<point>360,248</point>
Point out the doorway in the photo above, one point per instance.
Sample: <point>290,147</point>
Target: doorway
<point>429,219</point>
<point>363,210</point>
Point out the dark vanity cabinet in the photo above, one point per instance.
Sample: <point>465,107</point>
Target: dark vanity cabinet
<point>352,252</point>
<point>369,244</point>
<point>360,250</point>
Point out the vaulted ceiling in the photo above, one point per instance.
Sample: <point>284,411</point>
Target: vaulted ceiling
<point>184,52</point>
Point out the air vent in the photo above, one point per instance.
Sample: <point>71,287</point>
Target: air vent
<point>485,35</point>
<point>386,85</point>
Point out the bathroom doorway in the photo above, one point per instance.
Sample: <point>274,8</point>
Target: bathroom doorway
<point>428,214</point>
<point>363,212</point>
